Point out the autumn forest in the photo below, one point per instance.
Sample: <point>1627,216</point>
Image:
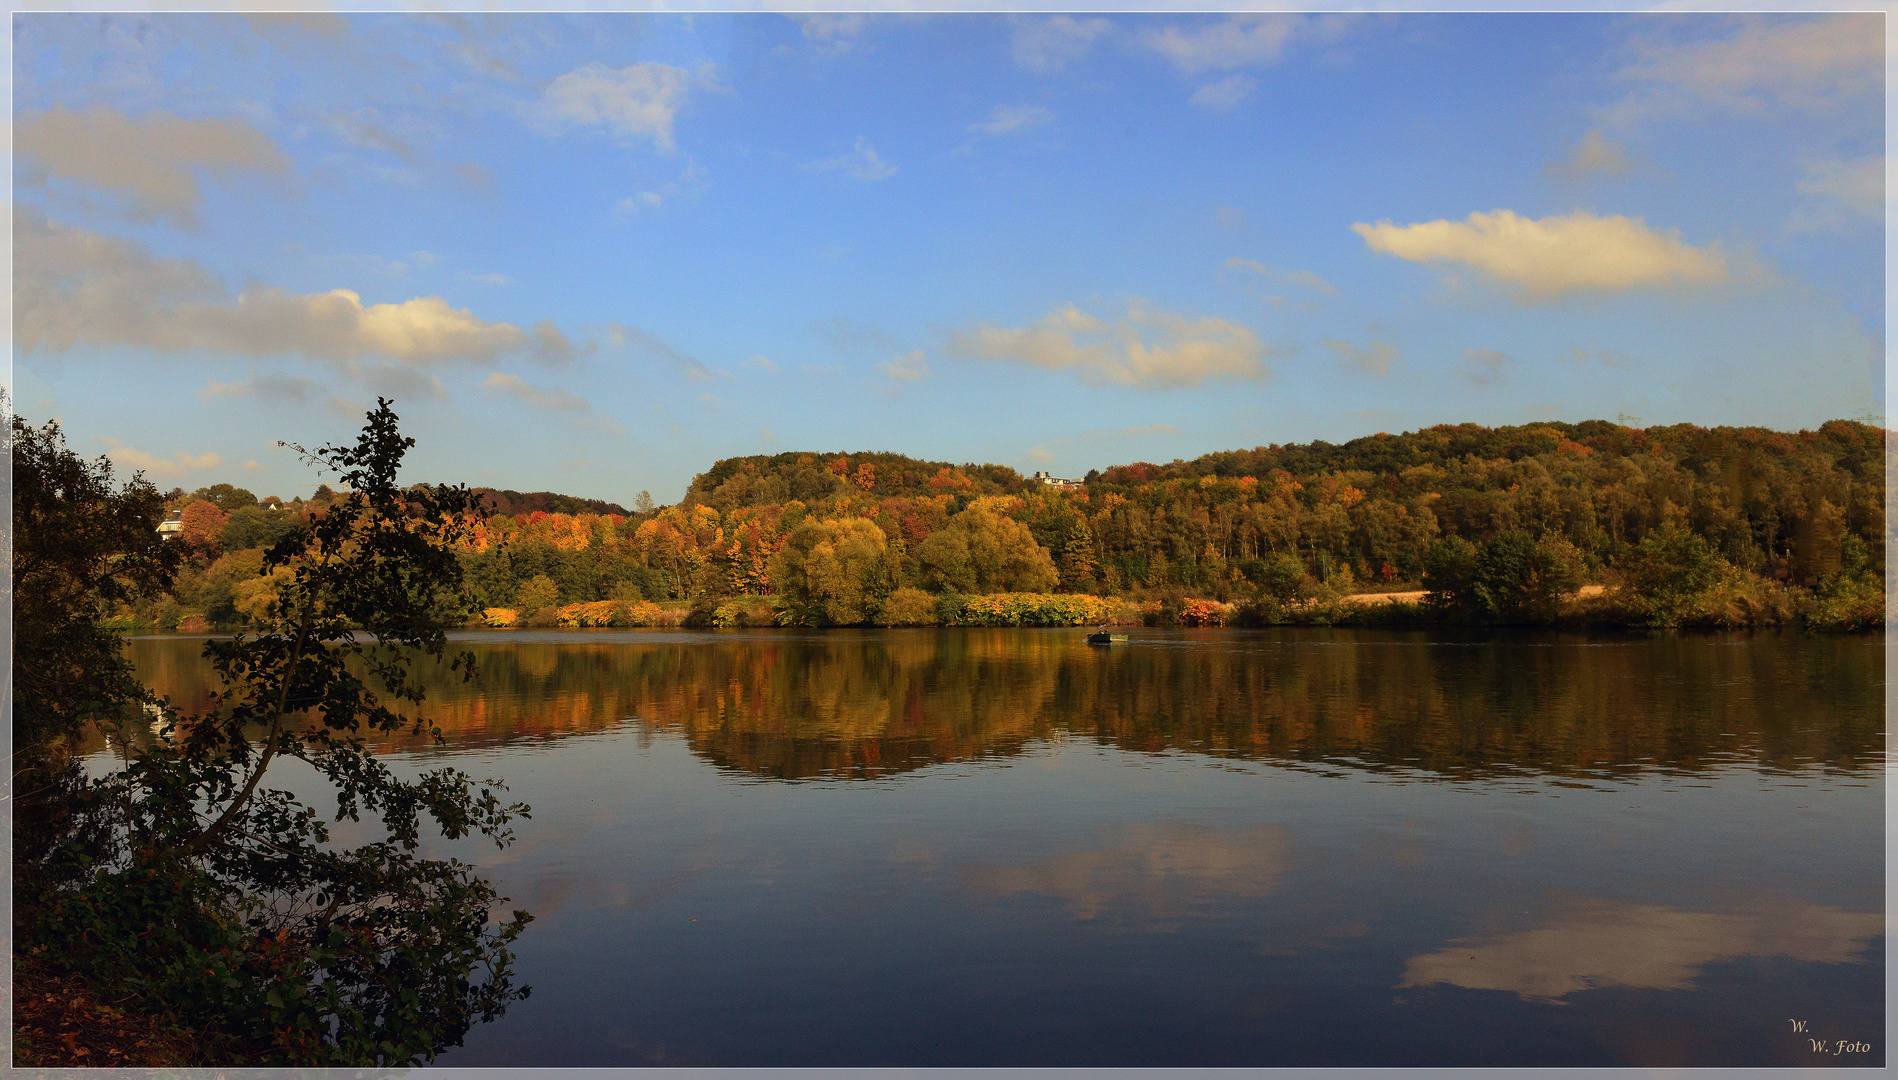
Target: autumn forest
<point>1588,523</point>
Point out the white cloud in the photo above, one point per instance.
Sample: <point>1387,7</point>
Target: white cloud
<point>862,162</point>
<point>644,200</point>
<point>156,467</point>
<point>761,362</point>
<point>1810,63</point>
<point>74,288</point>
<point>521,390</point>
<point>151,162</point>
<point>1147,347</point>
<point>1642,946</point>
<point>1594,154</point>
<point>832,34</point>
<point>689,185</point>
<point>1237,41</point>
<point>1376,358</point>
<point>638,101</point>
<point>1007,118</point>
<point>1843,193</point>
<point>908,368</point>
<point>1225,93</point>
<point>1545,258</point>
<point>1048,45</point>
<point>1485,367</point>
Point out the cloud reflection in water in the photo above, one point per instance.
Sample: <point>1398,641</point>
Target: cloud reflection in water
<point>1642,946</point>
<point>1165,871</point>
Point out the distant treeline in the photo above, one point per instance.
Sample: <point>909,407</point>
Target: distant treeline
<point>1683,525</point>
<point>515,503</point>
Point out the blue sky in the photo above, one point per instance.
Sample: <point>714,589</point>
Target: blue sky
<point>593,254</point>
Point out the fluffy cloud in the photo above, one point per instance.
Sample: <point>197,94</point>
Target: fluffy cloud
<point>1236,41</point>
<point>1545,258</point>
<point>1007,118</point>
<point>638,101</point>
<point>155,467</point>
<point>1594,154</point>
<point>73,287</point>
<point>1147,347</point>
<point>1048,45</point>
<point>1376,358</point>
<point>1842,193</point>
<point>1762,62</point>
<point>862,162</point>
<point>151,162</point>
<point>526,393</point>
<point>1643,946</point>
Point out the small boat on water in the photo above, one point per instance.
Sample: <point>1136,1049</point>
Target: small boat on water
<point>1104,638</point>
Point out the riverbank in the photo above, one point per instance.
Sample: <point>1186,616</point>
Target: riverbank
<point>1750,603</point>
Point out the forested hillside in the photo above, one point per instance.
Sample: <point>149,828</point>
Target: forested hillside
<point>767,481</point>
<point>1683,524</point>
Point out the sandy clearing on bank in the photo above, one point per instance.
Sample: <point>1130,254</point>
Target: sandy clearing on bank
<point>1414,597</point>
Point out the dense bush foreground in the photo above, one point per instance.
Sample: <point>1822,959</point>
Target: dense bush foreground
<point>181,909</point>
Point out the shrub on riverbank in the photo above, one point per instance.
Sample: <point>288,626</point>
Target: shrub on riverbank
<point>907,607</point>
<point>1035,609</point>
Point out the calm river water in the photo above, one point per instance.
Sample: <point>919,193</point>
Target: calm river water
<point>1297,847</point>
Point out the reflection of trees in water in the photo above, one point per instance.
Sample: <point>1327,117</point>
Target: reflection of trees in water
<point>865,704</point>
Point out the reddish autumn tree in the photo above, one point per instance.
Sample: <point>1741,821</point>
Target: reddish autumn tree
<point>202,522</point>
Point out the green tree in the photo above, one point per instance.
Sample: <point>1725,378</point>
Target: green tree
<point>834,572</point>
<point>1449,574</point>
<point>252,527</point>
<point>1283,578</point>
<point>1077,556</point>
<point>227,497</point>
<point>82,546</point>
<point>1669,573</point>
<point>537,592</point>
<point>980,551</point>
<point>207,895</point>
<point>1521,579</point>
